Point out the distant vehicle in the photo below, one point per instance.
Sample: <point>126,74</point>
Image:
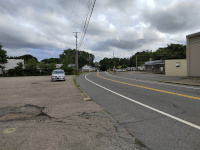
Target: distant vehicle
<point>141,68</point>
<point>133,68</point>
<point>128,68</point>
<point>58,74</point>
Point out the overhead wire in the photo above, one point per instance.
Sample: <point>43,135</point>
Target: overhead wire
<point>85,18</point>
<point>90,8</point>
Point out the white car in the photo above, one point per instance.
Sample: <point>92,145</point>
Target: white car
<point>58,74</point>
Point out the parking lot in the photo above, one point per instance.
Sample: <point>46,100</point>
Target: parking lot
<point>36,113</point>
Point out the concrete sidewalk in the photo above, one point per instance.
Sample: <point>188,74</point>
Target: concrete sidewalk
<point>185,81</point>
<point>192,81</point>
<point>36,113</point>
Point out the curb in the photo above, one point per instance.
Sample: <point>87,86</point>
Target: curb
<point>179,83</point>
<point>87,98</point>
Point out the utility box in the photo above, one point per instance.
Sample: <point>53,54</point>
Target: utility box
<point>193,55</point>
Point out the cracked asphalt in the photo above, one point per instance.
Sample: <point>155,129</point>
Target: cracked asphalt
<point>36,113</point>
<point>118,93</point>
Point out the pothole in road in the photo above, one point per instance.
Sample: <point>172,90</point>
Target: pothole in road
<point>23,113</point>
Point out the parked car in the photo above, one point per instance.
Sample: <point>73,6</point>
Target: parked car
<point>128,68</point>
<point>133,68</point>
<point>58,74</point>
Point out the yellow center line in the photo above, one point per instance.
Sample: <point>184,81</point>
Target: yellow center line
<point>149,88</point>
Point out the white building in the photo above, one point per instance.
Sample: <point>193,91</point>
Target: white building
<point>88,68</point>
<point>59,65</point>
<point>12,63</point>
<point>72,65</point>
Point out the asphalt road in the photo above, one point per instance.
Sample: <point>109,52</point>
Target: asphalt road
<point>161,116</point>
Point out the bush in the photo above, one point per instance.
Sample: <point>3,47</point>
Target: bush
<point>68,70</point>
<point>32,71</point>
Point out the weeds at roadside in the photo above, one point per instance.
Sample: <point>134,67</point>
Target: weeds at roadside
<point>75,82</point>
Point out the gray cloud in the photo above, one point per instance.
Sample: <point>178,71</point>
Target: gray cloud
<point>178,17</point>
<point>44,28</point>
<point>121,44</point>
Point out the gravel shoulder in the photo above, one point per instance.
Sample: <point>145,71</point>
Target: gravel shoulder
<point>36,113</point>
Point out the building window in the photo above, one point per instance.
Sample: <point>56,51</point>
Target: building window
<point>178,64</point>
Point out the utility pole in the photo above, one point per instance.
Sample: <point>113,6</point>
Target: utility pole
<point>76,54</point>
<point>89,59</point>
<point>136,62</point>
<point>114,61</point>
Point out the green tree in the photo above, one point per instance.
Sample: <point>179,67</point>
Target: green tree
<point>172,51</point>
<point>3,58</point>
<point>19,69</point>
<point>83,59</point>
<point>68,57</point>
<point>108,63</point>
<point>124,62</point>
<point>51,60</point>
<point>52,66</point>
<point>31,64</point>
<point>104,63</point>
<point>142,57</point>
<point>68,70</point>
<point>19,66</point>
<point>26,58</point>
<point>44,68</point>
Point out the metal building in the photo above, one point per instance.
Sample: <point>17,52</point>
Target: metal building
<point>193,54</point>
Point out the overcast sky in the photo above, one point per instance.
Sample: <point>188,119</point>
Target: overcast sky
<point>43,28</point>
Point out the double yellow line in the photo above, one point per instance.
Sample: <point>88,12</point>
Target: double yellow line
<point>149,88</point>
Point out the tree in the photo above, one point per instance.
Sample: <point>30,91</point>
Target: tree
<point>104,64</point>
<point>124,62</point>
<point>51,60</point>
<point>52,66</point>
<point>109,63</point>
<point>18,71</point>
<point>3,58</point>
<point>142,57</point>
<point>19,66</point>
<point>68,57</point>
<point>83,59</point>
<point>31,64</point>
<point>172,51</point>
<point>25,57</point>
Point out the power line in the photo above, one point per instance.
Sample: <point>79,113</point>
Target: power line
<point>87,20</point>
<point>86,17</point>
<point>88,14</point>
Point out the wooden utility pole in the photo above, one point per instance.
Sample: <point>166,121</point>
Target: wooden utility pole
<point>114,61</point>
<point>76,54</point>
<point>136,62</point>
<point>89,59</point>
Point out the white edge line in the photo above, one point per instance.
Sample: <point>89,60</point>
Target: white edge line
<point>188,87</point>
<point>151,108</point>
